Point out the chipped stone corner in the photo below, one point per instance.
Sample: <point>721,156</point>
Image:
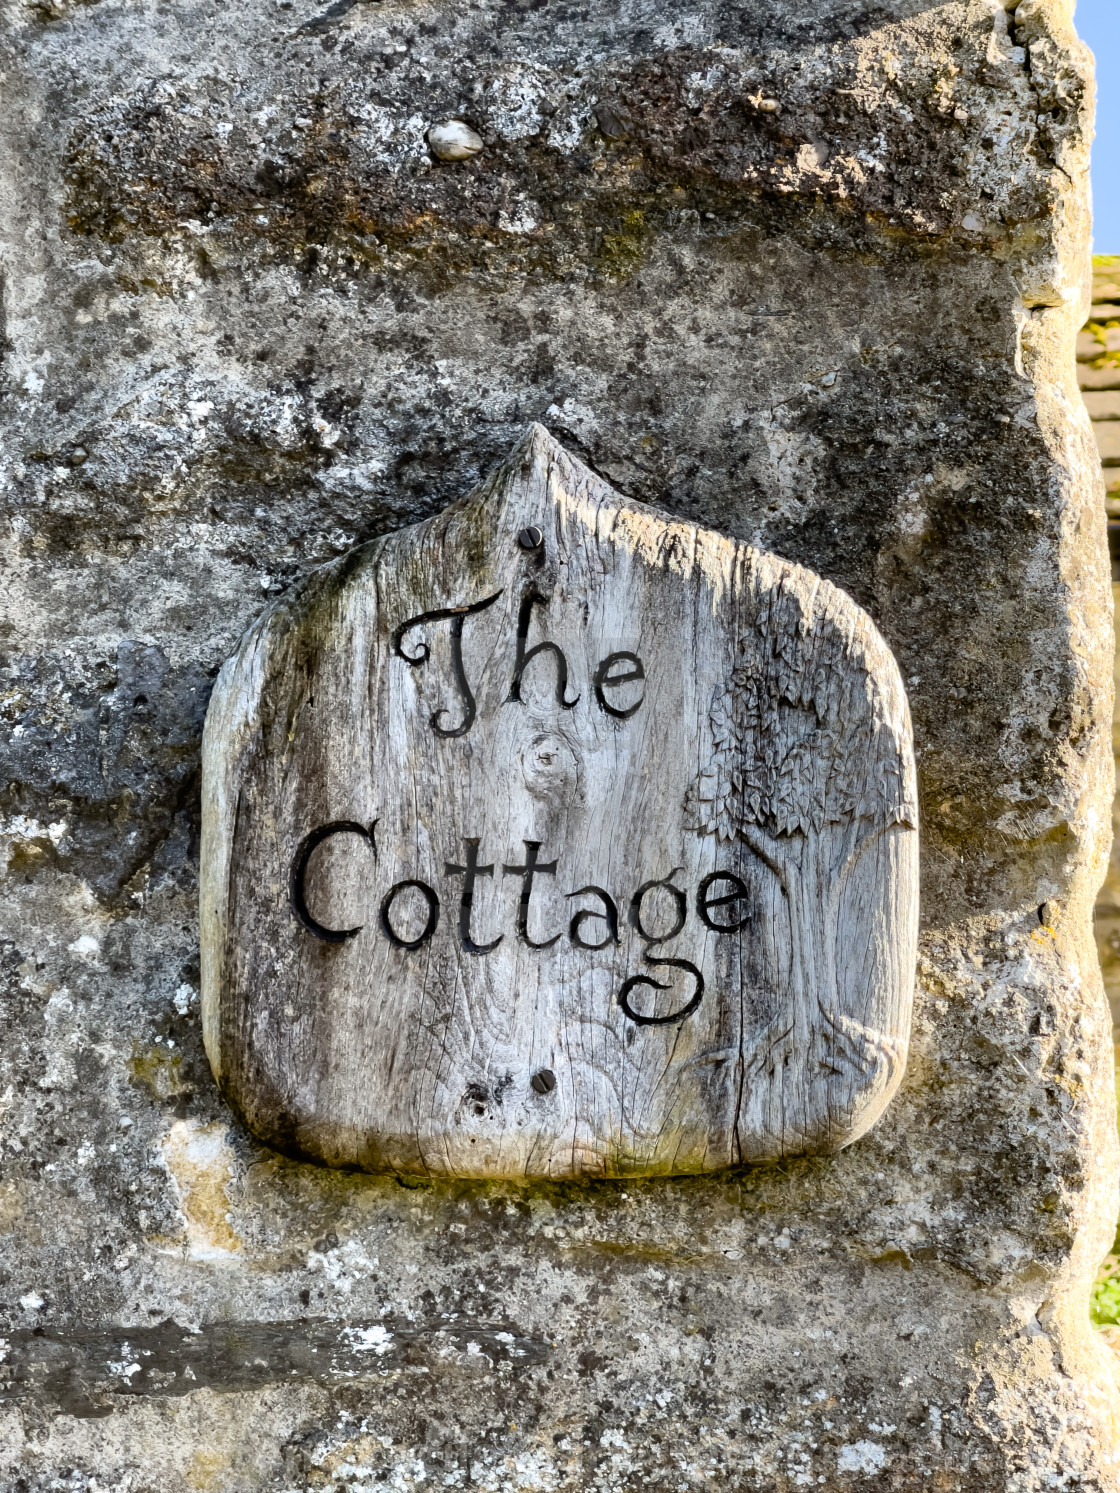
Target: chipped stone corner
<point>201,1164</point>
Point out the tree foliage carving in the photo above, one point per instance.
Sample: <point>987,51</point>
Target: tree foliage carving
<point>802,737</point>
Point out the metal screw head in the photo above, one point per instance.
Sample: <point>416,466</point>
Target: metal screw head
<point>543,1082</point>
<point>530,538</point>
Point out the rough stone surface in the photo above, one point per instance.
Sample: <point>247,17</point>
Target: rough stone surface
<point>809,274</point>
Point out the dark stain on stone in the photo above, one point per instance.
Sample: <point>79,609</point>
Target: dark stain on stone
<point>310,187</point>
<point>89,1373</point>
<point>115,750</point>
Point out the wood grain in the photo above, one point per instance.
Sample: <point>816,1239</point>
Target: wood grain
<point>606,865</point>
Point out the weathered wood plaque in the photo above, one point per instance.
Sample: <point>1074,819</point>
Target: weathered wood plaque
<point>553,837</point>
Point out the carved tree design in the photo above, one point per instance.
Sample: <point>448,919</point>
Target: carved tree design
<point>809,767</point>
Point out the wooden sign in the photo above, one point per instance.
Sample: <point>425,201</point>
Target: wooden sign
<point>553,837</point>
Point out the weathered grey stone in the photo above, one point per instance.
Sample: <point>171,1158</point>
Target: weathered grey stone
<point>810,275</point>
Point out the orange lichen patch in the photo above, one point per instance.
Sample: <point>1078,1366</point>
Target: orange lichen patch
<point>208,1469</point>
<point>349,1460</point>
<point>11,1206</point>
<point>159,1070</point>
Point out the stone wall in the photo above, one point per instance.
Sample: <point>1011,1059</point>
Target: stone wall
<point>809,274</point>
<point>1099,376</point>
<point>1098,369</point>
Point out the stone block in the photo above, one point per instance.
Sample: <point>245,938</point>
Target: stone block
<point>1107,377</point>
<point>1103,405</point>
<point>810,277</point>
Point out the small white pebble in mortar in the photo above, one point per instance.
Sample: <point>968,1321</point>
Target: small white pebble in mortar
<point>454,141</point>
